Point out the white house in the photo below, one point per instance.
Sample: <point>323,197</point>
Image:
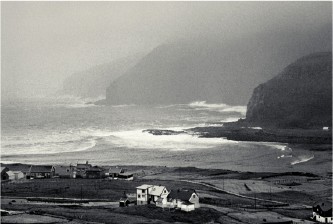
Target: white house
<point>146,194</point>
<point>322,212</point>
<point>142,194</point>
<point>186,200</point>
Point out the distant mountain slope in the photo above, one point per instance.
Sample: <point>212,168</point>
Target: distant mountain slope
<point>213,71</point>
<point>300,96</point>
<point>94,81</point>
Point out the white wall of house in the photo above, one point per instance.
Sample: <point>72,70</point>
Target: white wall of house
<point>322,219</point>
<point>187,208</point>
<point>142,196</point>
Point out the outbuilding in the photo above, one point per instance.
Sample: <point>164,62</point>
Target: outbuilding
<point>40,171</point>
<point>124,202</point>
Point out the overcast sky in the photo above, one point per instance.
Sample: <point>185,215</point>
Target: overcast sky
<point>44,42</point>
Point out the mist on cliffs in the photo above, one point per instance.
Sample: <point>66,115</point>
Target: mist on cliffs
<point>43,43</point>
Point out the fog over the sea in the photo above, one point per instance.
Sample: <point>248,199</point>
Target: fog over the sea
<point>45,42</point>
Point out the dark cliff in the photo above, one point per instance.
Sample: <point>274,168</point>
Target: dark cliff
<point>299,97</point>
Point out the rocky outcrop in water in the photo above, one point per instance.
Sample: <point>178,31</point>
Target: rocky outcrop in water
<point>299,97</point>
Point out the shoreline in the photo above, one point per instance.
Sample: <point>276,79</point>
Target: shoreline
<point>232,131</point>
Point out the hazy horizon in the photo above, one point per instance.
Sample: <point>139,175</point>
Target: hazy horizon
<point>45,42</point>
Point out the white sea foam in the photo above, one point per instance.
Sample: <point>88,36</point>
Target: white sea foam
<point>71,140</point>
<point>123,105</point>
<point>222,108</point>
<point>144,140</point>
<point>280,146</point>
<point>302,159</point>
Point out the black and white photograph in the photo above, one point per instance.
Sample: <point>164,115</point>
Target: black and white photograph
<point>131,112</point>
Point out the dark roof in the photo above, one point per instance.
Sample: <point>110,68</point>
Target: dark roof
<point>83,166</point>
<point>187,203</point>
<point>115,170</point>
<point>183,195</point>
<point>40,168</point>
<point>323,208</point>
<point>93,169</point>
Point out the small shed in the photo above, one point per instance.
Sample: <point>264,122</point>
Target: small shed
<point>187,206</point>
<point>124,202</point>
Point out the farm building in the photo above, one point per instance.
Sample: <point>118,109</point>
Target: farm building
<point>114,172</point>
<point>322,212</point>
<point>126,176</point>
<point>124,202</point>
<point>94,173</point>
<point>81,169</point>
<point>65,171</point>
<point>40,171</point>
<point>180,197</point>
<point>147,194</point>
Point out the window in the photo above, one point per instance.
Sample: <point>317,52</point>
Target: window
<point>194,196</point>
<point>143,191</point>
<point>67,170</point>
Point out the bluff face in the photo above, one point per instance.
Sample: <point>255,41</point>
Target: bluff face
<point>299,97</point>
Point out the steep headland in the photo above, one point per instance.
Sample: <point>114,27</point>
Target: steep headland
<point>299,97</point>
<point>293,107</point>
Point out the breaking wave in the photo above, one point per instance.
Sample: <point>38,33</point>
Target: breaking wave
<point>180,142</point>
<point>222,108</point>
<point>72,140</point>
<point>302,159</point>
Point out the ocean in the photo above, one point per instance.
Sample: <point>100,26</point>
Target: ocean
<point>66,130</point>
